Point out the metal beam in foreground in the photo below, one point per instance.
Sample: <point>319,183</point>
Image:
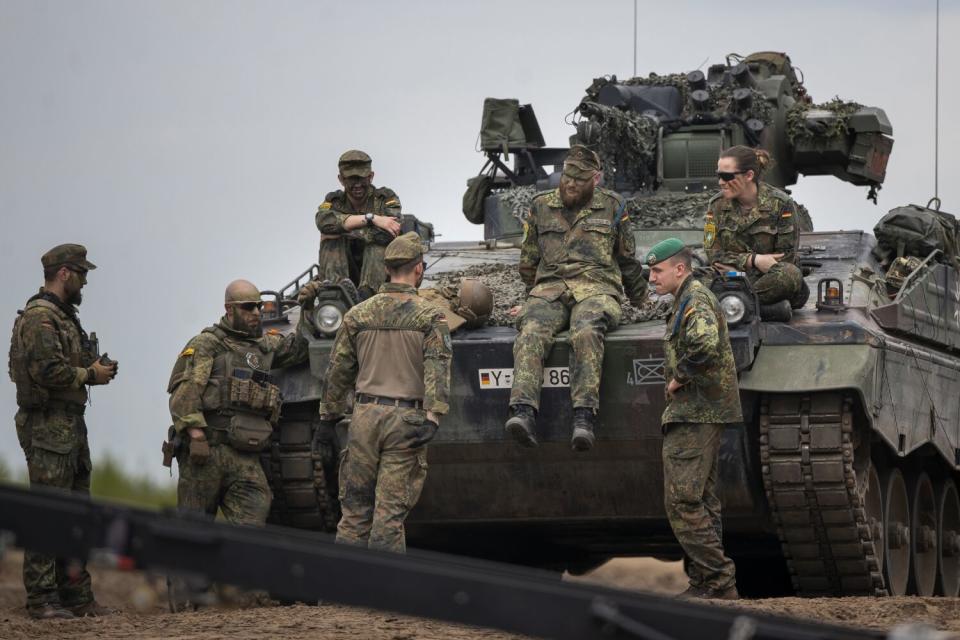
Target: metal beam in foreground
<point>305,566</point>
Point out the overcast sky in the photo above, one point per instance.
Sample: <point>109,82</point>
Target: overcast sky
<point>189,143</point>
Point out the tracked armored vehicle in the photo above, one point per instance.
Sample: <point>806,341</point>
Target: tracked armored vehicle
<point>842,480</point>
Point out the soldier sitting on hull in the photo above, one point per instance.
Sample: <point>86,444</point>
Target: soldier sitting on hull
<point>224,408</point>
<point>356,224</point>
<point>753,227</point>
<point>702,398</point>
<point>576,259</point>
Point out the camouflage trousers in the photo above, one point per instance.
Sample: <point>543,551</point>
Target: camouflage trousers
<point>334,259</point>
<point>55,444</point>
<point>231,480</point>
<point>690,461</point>
<point>782,282</point>
<point>337,262</point>
<point>539,322</point>
<point>373,271</point>
<point>381,476</point>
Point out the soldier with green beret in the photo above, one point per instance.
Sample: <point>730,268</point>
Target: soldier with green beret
<point>702,399</point>
<point>576,259</point>
<point>392,354</point>
<point>356,224</point>
<point>52,362</point>
<point>224,405</point>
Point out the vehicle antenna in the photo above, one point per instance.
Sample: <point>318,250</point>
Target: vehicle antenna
<point>936,110</point>
<point>635,36</point>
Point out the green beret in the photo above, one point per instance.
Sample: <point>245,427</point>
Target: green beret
<point>354,163</point>
<point>403,249</point>
<point>74,255</point>
<point>663,250</point>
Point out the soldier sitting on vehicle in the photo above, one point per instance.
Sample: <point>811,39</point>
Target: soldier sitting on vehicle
<point>576,259</point>
<point>356,224</point>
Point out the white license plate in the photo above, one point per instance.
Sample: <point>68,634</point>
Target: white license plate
<point>553,377</point>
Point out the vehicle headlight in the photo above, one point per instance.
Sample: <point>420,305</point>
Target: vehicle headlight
<point>733,309</point>
<point>328,319</point>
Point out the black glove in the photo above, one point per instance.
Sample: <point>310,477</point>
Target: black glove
<point>421,434</point>
<point>325,426</point>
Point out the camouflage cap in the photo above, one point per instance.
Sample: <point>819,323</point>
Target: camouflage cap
<point>663,250</point>
<point>355,163</point>
<point>403,249</point>
<point>67,254</point>
<point>581,162</point>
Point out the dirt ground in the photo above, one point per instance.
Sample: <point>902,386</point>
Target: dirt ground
<point>141,602</point>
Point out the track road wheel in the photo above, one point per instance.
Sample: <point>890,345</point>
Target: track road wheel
<point>873,505</point>
<point>896,529</point>
<point>923,535</point>
<point>948,539</point>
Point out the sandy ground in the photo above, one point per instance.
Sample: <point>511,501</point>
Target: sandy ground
<point>142,611</point>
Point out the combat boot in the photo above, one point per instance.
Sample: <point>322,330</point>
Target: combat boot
<point>92,609</point>
<point>730,593</point>
<point>583,421</point>
<point>776,312</point>
<point>693,591</point>
<point>49,611</point>
<point>521,423</point>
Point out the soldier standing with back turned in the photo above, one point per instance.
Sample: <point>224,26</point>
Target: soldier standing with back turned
<point>394,350</point>
<point>702,399</point>
<point>356,224</point>
<point>52,361</point>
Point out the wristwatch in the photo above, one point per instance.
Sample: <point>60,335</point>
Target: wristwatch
<point>369,218</point>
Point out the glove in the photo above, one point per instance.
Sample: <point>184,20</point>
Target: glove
<point>326,426</point>
<point>421,434</point>
<point>199,451</point>
<point>308,294</point>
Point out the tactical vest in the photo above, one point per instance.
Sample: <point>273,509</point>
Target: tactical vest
<point>239,399</point>
<point>75,346</point>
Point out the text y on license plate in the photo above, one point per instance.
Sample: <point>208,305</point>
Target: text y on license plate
<point>503,378</point>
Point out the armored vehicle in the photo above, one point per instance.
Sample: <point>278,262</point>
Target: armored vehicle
<point>842,478</point>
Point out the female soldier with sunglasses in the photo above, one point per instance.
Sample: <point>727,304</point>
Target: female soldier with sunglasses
<point>753,227</point>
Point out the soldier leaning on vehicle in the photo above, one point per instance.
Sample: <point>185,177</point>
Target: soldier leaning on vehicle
<point>52,361</point>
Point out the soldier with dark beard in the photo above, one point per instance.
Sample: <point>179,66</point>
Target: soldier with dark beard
<point>576,260</point>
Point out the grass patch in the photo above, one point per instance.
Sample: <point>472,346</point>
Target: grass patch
<point>111,481</point>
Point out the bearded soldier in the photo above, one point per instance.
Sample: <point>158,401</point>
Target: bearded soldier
<point>224,406</point>
<point>356,224</point>
<point>702,399</point>
<point>394,352</point>
<point>52,361</point>
<point>576,259</point>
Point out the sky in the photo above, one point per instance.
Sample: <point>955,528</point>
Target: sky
<point>189,143</point>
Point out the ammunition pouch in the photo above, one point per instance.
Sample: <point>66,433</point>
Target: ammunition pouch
<point>248,432</point>
<point>31,396</point>
<point>251,394</point>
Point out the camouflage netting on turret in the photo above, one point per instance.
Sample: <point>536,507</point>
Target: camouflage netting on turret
<point>517,200</point>
<point>799,129</point>
<point>508,291</point>
<point>669,210</point>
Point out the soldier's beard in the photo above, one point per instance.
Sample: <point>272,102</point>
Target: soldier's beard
<point>578,200</point>
<point>238,325</point>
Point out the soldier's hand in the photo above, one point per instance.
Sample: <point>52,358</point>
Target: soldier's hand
<point>388,224</point>
<point>421,434</point>
<point>673,387</point>
<point>308,294</point>
<point>196,433</point>
<point>102,373</point>
<point>763,261</point>
<point>513,311</point>
<point>723,268</point>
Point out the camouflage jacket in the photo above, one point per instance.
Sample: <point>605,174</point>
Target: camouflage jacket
<point>191,372</point>
<point>731,235</point>
<point>594,255</point>
<point>336,207</point>
<point>396,308</point>
<point>697,354</point>
<point>49,353</point>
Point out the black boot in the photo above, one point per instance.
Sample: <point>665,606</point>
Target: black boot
<point>520,424</point>
<point>776,312</point>
<point>583,421</point>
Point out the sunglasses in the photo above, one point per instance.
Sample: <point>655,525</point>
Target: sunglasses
<point>248,306</point>
<point>727,176</point>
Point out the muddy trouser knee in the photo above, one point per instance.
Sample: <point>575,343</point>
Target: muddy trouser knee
<point>781,282</point>
<point>690,461</point>
<point>590,320</point>
<point>539,321</point>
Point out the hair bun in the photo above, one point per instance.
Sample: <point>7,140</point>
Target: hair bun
<point>763,159</point>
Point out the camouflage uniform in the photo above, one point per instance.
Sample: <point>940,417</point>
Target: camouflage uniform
<point>573,274</point>
<point>339,248</point>
<point>220,383</point>
<point>49,356</point>
<point>393,348</point>
<point>697,354</point>
<point>731,236</point>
